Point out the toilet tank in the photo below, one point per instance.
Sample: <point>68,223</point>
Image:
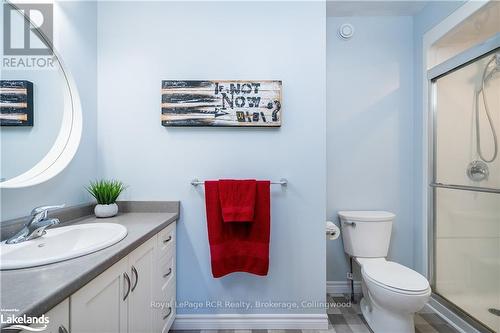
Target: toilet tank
<point>366,233</point>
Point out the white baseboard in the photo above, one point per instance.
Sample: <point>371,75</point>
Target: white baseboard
<point>342,287</point>
<point>250,321</point>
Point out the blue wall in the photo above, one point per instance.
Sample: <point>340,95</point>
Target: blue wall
<point>369,128</point>
<point>431,15</point>
<point>139,44</point>
<point>374,126</point>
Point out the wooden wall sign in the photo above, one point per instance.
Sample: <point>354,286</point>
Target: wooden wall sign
<point>16,103</point>
<point>221,103</point>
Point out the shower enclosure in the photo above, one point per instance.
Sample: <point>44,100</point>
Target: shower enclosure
<point>465,236</point>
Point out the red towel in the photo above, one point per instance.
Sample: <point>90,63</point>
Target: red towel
<point>238,247</point>
<point>237,199</point>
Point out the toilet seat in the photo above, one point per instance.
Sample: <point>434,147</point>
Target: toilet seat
<point>397,290</point>
<point>393,276</point>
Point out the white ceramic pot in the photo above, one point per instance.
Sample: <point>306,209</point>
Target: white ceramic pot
<point>106,210</point>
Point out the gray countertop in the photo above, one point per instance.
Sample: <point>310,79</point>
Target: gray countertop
<point>34,291</point>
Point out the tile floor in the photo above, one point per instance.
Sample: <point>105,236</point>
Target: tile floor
<point>347,318</point>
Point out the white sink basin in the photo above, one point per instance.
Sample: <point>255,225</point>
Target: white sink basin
<point>61,244</point>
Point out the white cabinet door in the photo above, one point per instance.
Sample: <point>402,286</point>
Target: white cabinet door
<point>101,305</point>
<point>58,319</point>
<point>141,267</point>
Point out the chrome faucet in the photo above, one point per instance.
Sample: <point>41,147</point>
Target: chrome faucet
<point>36,225</point>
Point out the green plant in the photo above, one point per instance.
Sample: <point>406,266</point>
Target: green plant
<point>106,191</point>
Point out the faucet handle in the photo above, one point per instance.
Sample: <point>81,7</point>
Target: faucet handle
<point>45,209</point>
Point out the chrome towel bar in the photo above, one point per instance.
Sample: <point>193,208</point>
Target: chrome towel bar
<point>282,182</point>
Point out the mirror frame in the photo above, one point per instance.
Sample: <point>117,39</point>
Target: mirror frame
<point>68,139</point>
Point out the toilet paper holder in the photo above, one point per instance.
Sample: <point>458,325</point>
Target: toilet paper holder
<point>332,230</point>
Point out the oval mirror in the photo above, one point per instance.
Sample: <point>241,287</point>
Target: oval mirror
<point>40,113</point>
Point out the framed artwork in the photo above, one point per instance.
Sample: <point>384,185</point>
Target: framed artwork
<point>236,103</point>
<point>16,103</point>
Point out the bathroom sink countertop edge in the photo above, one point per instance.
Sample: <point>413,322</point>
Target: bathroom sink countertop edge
<point>34,291</point>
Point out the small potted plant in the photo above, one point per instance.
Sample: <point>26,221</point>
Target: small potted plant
<point>106,192</point>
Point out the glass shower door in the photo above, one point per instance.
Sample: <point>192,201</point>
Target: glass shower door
<point>466,197</point>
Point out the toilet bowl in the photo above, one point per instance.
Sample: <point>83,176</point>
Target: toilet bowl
<point>392,293</point>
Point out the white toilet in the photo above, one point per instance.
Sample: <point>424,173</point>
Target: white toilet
<point>392,293</point>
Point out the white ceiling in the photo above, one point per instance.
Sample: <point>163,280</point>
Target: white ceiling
<point>373,8</point>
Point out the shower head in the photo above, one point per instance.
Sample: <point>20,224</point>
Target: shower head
<point>492,67</point>
<point>495,61</point>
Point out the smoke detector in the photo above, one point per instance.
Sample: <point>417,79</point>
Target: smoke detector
<point>346,31</point>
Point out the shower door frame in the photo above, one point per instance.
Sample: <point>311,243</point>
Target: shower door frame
<point>459,61</point>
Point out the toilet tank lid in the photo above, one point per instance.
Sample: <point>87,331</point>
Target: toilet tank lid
<point>366,215</point>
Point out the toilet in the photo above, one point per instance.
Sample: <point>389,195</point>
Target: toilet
<point>392,293</point>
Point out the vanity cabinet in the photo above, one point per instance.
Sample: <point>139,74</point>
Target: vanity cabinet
<point>58,319</point>
<point>131,296</point>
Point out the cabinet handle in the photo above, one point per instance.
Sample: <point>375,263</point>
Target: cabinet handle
<point>165,241</point>
<point>62,329</point>
<point>168,273</point>
<point>134,271</point>
<point>125,275</point>
<point>168,314</point>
